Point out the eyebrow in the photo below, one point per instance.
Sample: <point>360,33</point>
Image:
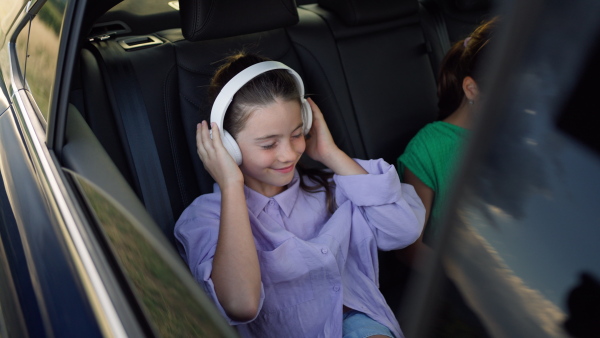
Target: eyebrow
<point>274,136</point>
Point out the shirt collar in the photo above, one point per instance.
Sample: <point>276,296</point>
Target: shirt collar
<point>286,200</point>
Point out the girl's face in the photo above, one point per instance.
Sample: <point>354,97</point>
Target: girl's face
<point>271,143</point>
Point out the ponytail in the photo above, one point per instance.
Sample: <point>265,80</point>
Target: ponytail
<point>461,61</point>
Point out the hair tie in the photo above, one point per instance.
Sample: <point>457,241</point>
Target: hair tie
<point>466,42</point>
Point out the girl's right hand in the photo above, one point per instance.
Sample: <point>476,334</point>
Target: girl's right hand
<point>215,158</point>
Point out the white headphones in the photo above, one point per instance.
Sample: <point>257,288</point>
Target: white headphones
<point>225,97</point>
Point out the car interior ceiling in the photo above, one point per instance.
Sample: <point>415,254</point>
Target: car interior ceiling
<point>370,67</point>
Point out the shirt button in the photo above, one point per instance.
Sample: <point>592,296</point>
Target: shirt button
<point>336,288</point>
<point>271,202</point>
<point>324,251</point>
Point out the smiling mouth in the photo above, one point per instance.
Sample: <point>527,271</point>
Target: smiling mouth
<point>285,170</point>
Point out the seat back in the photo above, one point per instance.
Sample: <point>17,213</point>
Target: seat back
<point>461,17</point>
<point>387,70</point>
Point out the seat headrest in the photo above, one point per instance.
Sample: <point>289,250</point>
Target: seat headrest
<point>362,12</point>
<point>212,19</point>
<point>473,5</point>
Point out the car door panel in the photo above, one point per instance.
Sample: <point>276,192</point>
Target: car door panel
<point>55,287</point>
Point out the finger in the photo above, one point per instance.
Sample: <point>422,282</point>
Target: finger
<point>216,138</point>
<point>199,134</point>
<point>206,138</point>
<point>216,134</point>
<point>318,118</point>
<point>200,144</point>
<point>313,106</point>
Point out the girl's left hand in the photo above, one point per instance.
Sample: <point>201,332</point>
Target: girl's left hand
<point>319,142</point>
<point>321,147</point>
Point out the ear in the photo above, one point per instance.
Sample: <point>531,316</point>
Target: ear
<point>470,88</point>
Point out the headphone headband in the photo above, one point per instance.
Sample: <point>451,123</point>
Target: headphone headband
<point>225,97</point>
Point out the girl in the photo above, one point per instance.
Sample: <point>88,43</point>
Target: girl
<point>429,159</point>
<point>283,252</point>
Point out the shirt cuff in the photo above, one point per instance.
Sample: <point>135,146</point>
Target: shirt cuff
<point>380,186</point>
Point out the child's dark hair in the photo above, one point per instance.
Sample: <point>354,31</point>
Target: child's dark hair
<point>258,92</point>
<point>462,60</point>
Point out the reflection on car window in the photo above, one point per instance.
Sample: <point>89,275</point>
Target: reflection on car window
<point>42,53</point>
<point>9,10</point>
<point>169,303</point>
<point>21,45</point>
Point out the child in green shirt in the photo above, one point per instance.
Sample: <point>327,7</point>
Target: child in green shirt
<point>430,158</point>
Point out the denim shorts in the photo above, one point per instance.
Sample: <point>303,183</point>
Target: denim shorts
<point>358,325</point>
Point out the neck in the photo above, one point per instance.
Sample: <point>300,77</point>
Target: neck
<point>272,191</point>
<point>462,116</point>
<point>265,189</point>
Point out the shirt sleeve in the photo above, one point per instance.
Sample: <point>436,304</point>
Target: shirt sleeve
<point>392,210</point>
<point>197,231</point>
<point>417,159</point>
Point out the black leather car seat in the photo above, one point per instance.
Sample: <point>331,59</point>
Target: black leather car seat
<point>387,68</point>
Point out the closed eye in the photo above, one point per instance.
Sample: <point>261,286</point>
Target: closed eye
<point>268,146</point>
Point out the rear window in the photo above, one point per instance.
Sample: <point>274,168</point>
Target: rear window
<point>42,52</point>
<point>9,9</point>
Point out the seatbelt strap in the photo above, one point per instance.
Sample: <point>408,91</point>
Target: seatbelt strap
<point>129,109</point>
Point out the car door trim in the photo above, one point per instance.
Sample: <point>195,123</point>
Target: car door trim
<point>48,174</point>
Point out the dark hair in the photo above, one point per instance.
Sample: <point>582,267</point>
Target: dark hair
<point>263,90</point>
<point>462,60</point>
<point>258,92</point>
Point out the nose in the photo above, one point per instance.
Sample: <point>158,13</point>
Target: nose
<point>289,152</point>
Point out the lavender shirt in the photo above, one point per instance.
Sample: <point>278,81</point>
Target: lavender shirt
<point>312,262</point>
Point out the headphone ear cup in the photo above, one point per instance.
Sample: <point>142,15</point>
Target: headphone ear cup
<point>232,147</point>
<point>307,116</point>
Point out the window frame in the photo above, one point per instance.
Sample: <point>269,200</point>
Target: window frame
<point>50,128</point>
<point>39,140</point>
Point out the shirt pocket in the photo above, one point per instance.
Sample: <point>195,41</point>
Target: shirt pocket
<point>285,276</point>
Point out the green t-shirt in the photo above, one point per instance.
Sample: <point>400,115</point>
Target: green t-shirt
<point>431,155</point>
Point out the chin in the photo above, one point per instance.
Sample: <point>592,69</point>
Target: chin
<point>283,181</point>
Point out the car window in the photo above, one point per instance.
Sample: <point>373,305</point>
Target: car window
<point>8,12</point>
<point>172,302</point>
<point>41,52</point>
<point>520,255</point>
